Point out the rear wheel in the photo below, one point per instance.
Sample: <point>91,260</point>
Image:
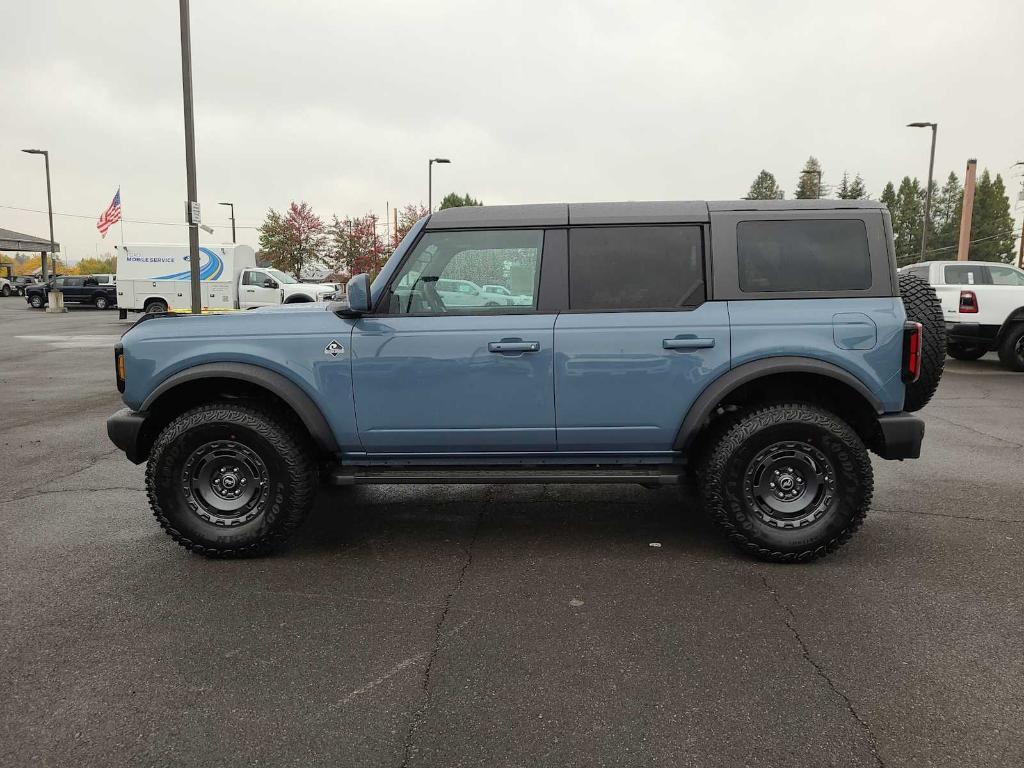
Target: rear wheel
<point>155,307</point>
<point>101,302</point>
<point>923,306</point>
<point>965,351</point>
<point>787,483</point>
<point>1011,351</point>
<point>5,291</point>
<point>229,480</point>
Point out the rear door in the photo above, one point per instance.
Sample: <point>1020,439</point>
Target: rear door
<point>639,341</point>
<point>443,372</point>
<point>72,290</point>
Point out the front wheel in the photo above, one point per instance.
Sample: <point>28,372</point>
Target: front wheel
<point>5,291</point>
<point>229,480</point>
<point>787,483</point>
<point>965,351</point>
<point>36,301</point>
<point>1011,351</point>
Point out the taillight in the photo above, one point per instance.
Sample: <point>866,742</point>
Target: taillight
<point>912,339</point>
<point>968,303</point>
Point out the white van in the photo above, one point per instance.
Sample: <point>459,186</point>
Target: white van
<point>156,278</point>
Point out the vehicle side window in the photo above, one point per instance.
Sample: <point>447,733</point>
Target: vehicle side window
<point>445,272</point>
<point>655,267</point>
<point>967,274</point>
<point>91,281</point>
<point>806,255</point>
<point>72,282</point>
<point>253,278</point>
<point>1006,276</point>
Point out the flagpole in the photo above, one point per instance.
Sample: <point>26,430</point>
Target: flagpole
<point>121,221</point>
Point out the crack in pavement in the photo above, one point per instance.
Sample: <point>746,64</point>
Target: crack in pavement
<point>421,713</point>
<point>35,494</point>
<point>975,431</point>
<point>952,517</point>
<point>789,620</point>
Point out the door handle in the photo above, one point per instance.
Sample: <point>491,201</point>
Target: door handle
<point>250,290</point>
<point>514,346</point>
<point>690,343</point>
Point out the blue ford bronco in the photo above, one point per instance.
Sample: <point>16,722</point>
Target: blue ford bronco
<point>755,350</point>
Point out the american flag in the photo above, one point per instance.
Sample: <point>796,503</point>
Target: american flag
<point>110,216</point>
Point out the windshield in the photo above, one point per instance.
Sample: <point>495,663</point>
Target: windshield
<point>281,276</point>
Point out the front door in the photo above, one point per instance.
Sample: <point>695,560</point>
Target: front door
<point>258,290</point>
<point>435,377</point>
<point>639,342</point>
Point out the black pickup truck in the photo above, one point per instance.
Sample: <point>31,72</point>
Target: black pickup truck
<point>77,289</point>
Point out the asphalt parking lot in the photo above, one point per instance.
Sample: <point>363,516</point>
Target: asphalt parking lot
<point>498,625</point>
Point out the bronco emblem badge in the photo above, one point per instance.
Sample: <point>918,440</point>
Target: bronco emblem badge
<point>333,349</point>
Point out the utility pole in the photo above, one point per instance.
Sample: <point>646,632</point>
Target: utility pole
<point>968,210</point>
<point>394,228</point>
<point>1020,196</point>
<point>192,205</point>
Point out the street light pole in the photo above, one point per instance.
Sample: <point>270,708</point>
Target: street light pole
<point>190,156</point>
<point>232,206</point>
<point>430,180</point>
<point>49,206</point>
<point>1020,252</point>
<point>928,189</point>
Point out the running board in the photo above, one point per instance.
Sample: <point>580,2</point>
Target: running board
<point>456,475</point>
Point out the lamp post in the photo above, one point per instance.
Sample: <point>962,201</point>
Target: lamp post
<point>430,180</point>
<point>232,206</point>
<point>1020,252</point>
<point>49,205</point>
<point>928,189</point>
<point>817,192</point>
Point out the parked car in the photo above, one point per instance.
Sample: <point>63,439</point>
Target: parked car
<point>983,306</point>
<point>501,290</point>
<point>763,348</point>
<point>6,287</point>
<point>466,293</point>
<point>21,282</point>
<point>76,289</point>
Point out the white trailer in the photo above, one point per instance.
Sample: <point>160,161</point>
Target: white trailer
<point>156,278</point>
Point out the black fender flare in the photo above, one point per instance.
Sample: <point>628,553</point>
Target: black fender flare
<point>1012,320</point>
<point>705,404</point>
<point>290,392</point>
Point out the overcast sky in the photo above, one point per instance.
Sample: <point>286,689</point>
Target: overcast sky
<point>341,104</point>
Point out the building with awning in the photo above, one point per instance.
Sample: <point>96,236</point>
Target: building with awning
<point>20,242</point>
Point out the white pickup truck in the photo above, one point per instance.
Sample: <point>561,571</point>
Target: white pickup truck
<point>156,278</point>
<point>983,304</point>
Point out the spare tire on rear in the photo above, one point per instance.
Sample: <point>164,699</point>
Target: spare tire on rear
<point>923,306</point>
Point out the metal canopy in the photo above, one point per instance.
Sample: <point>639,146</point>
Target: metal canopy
<point>16,241</point>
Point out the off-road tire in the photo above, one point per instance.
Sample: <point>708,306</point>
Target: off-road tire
<point>923,306</point>
<point>290,488</point>
<point>965,351</point>
<point>732,448</point>
<point>155,306</point>
<point>1011,350</point>
<point>101,302</point>
<point>36,301</point>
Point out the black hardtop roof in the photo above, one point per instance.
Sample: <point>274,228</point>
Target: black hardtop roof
<point>652,212</point>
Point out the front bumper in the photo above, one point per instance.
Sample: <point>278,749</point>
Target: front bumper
<point>125,430</point>
<point>901,436</point>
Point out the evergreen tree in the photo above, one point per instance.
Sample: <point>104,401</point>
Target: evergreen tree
<point>907,218</point>
<point>765,187</point>
<point>452,200</point>
<point>857,190</point>
<point>888,197</point>
<point>944,233</point>
<point>992,224</point>
<point>810,182</point>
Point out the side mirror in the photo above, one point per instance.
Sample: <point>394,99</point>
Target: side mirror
<point>358,298</point>
<point>268,283</point>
